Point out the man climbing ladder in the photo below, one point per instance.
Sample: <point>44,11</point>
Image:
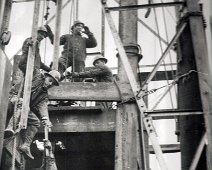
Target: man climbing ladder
<point>38,108</point>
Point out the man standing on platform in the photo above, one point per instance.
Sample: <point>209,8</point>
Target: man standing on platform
<point>74,47</point>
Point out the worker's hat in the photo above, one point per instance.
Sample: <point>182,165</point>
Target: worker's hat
<point>55,75</point>
<point>99,57</point>
<point>42,28</point>
<point>77,22</point>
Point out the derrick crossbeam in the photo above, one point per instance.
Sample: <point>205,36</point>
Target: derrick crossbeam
<point>135,7</point>
<point>172,113</point>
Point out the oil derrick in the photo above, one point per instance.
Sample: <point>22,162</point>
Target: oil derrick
<point>131,147</point>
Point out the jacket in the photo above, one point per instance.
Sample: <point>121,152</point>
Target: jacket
<point>75,44</point>
<point>38,64</point>
<point>100,73</point>
<point>39,94</point>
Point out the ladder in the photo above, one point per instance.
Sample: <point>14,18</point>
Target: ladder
<point>147,120</point>
<point>27,86</point>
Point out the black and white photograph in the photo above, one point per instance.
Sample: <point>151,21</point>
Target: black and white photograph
<point>105,85</point>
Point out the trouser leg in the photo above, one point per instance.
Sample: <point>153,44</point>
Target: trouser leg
<point>28,138</point>
<point>32,128</point>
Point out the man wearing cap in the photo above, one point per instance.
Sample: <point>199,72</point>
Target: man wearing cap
<point>74,47</point>
<point>38,108</point>
<point>38,64</point>
<point>100,73</point>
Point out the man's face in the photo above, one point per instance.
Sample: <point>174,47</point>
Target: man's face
<point>78,28</point>
<point>99,63</point>
<point>41,35</point>
<point>49,82</point>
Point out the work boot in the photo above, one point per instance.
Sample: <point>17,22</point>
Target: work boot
<point>28,137</point>
<point>9,132</point>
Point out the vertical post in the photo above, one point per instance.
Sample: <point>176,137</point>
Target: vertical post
<point>30,68</point>
<point>2,6</point>
<point>5,76</point>
<point>210,27</point>
<point>77,9</point>
<point>103,34</point>
<point>6,17</point>
<point>128,35</point>
<point>202,62</point>
<point>198,88</point>
<point>139,100</point>
<point>190,127</point>
<point>57,35</point>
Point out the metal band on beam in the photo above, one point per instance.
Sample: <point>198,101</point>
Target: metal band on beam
<point>135,7</point>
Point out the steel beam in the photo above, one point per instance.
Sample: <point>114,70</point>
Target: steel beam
<point>202,63</point>
<point>135,7</point>
<point>151,75</point>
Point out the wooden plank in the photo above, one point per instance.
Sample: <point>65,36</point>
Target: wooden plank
<point>70,121</point>
<point>57,34</point>
<point>93,119</point>
<point>75,109</point>
<point>29,68</point>
<point>86,91</point>
<point>99,91</point>
<point>5,76</point>
<point>2,7</point>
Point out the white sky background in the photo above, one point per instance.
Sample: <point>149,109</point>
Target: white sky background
<point>90,14</point>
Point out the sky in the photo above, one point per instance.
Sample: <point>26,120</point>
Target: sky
<point>90,14</point>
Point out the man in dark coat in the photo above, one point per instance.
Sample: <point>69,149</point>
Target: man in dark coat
<point>100,73</point>
<point>38,108</point>
<point>74,47</point>
<point>38,64</point>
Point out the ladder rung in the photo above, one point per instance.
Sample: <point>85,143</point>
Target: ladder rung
<point>169,148</point>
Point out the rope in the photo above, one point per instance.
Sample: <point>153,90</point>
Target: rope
<point>15,117</point>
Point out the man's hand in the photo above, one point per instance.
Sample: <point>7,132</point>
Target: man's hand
<point>47,144</point>
<point>14,99</point>
<point>87,31</point>
<point>46,122</point>
<point>84,35</point>
<point>30,42</point>
<point>49,33</point>
<point>73,74</point>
